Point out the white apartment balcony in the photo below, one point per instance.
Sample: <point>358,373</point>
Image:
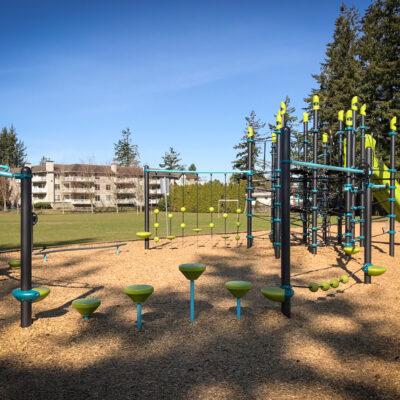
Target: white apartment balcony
<point>38,178</point>
<point>155,191</point>
<point>82,201</point>
<point>126,201</point>
<point>78,179</point>
<point>125,190</point>
<point>126,179</point>
<point>39,189</point>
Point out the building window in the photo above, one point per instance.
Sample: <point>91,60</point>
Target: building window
<point>97,187</point>
<point>66,185</point>
<point>57,197</point>
<point>57,187</point>
<point>97,198</point>
<point>108,187</point>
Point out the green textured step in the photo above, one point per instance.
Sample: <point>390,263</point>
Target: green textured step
<point>325,286</point>
<point>43,293</point>
<point>16,263</point>
<point>274,293</point>
<point>334,283</point>
<point>344,278</point>
<point>87,306</point>
<point>238,288</point>
<point>192,271</point>
<point>143,235</point>
<point>313,287</point>
<point>351,250</point>
<point>139,293</point>
<point>374,270</point>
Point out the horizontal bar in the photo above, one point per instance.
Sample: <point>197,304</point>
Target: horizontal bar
<point>177,171</point>
<point>110,246</point>
<point>329,167</point>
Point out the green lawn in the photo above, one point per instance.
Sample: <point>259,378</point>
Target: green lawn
<point>59,229</point>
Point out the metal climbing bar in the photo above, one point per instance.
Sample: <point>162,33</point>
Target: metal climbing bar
<point>328,167</point>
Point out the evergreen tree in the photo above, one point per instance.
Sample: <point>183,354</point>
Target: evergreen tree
<point>126,153</point>
<point>240,162</point>
<point>43,160</point>
<point>380,55</point>
<point>12,150</point>
<point>341,72</point>
<point>192,167</point>
<point>171,160</point>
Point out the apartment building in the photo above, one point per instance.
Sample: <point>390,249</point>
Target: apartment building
<point>77,186</point>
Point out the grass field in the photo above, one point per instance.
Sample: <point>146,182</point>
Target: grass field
<point>59,229</point>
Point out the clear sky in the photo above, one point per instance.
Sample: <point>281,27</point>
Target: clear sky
<point>185,73</point>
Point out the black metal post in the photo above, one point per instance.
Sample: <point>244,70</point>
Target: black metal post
<point>314,191</point>
<point>368,218</point>
<point>363,160</point>
<point>146,177</point>
<point>354,107</point>
<point>250,188</point>
<point>349,184</point>
<point>26,244</point>
<point>305,181</point>
<point>325,190</point>
<point>273,183</point>
<point>278,174</point>
<point>340,149</point>
<point>392,189</point>
<point>285,235</point>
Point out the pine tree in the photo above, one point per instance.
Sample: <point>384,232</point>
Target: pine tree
<point>380,55</point>
<point>241,160</point>
<point>171,160</point>
<point>192,167</point>
<point>341,72</point>
<point>12,150</point>
<point>43,160</point>
<point>126,153</point>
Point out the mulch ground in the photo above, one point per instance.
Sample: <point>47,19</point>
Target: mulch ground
<point>339,344</point>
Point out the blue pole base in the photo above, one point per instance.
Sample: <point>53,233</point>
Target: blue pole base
<point>139,316</point>
<point>238,308</point>
<point>191,301</point>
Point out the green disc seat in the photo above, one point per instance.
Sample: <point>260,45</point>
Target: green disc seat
<point>192,271</point>
<point>225,236</point>
<point>171,237</point>
<point>16,263</point>
<point>238,288</point>
<point>139,293</point>
<point>43,293</point>
<point>197,230</point>
<point>143,235</point>
<point>351,250</point>
<point>86,306</point>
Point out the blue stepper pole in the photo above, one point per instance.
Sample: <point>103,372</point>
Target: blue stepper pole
<point>139,316</point>
<point>238,308</point>
<point>192,300</point>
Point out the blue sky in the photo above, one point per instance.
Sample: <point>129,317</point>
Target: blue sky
<point>74,73</point>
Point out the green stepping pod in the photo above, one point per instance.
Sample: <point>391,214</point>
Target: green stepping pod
<point>325,286</point>
<point>86,306</point>
<point>43,293</point>
<point>334,282</point>
<point>143,235</point>
<point>344,278</point>
<point>139,293</point>
<point>192,271</point>
<point>313,287</point>
<point>374,270</point>
<point>16,263</point>
<point>238,288</point>
<point>274,293</point>
<point>351,250</point>
<point>197,230</point>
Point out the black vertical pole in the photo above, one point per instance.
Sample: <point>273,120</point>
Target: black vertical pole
<point>363,160</point>
<point>354,108</point>
<point>273,182</point>
<point>278,174</point>
<point>314,191</point>
<point>146,205</point>
<point>340,149</point>
<point>392,188</point>
<point>368,218</point>
<point>348,186</point>
<point>250,189</point>
<point>26,243</point>
<point>285,226</point>
<point>305,176</point>
<point>325,139</point>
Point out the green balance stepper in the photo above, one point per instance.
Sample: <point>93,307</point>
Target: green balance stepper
<point>192,271</point>
<point>86,306</point>
<point>43,293</point>
<point>16,263</point>
<point>139,293</point>
<point>238,288</point>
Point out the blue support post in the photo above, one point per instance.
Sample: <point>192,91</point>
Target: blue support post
<point>139,316</point>
<point>192,300</point>
<point>238,308</point>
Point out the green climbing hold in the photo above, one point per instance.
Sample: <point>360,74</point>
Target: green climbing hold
<point>237,237</point>
<point>16,263</point>
<point>344,278</point>
<point>274,293</point>
<point>238,288</point>
<point>192,271</point>
<point>143,235</point>
<point>183,225</point>
<point>374,270</point>
<point>139,293</point>
<point>211,225</point>
<point>156,239</point>
<point>334,283</point>
<point>225,215</point>
<point>325,286</point>
<point>183,209</point>
<point>238,223</point>
<point>87,306</point>
<point>43,293</point>
<point>313,287</point>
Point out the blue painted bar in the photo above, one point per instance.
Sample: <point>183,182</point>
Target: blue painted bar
<point>139,316</point>
<point>177,171</point>
<point>192,300</point>
<point>329,167</point>
<point>238,310</point>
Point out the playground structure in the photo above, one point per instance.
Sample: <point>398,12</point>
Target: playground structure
<point>354,180</point>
